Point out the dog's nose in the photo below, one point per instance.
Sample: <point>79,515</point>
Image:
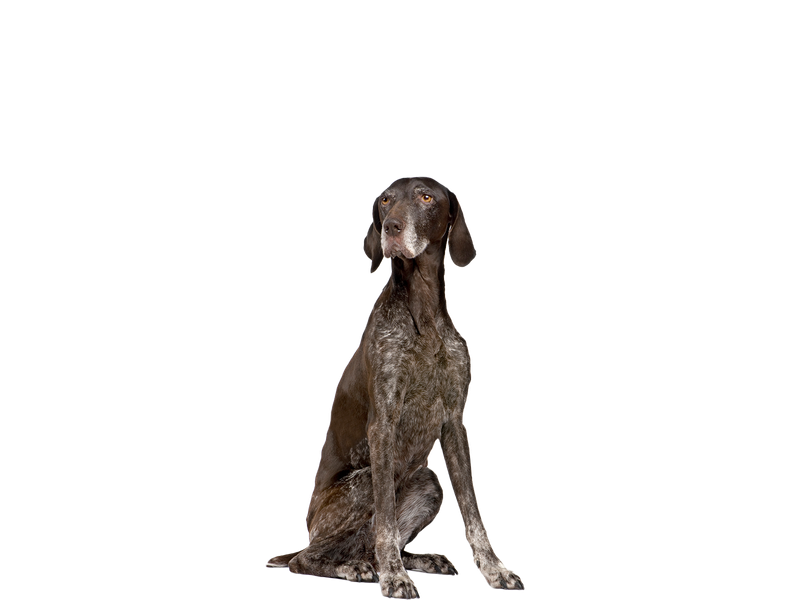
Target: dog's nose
<point>393,226</point>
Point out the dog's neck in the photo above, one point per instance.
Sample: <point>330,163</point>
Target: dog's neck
<point>421,279</point>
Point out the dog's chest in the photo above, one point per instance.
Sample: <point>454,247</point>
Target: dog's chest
<point>434,386</point>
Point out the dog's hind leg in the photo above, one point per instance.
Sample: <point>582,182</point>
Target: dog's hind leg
<point>342,541</point>
<point>417,505</point>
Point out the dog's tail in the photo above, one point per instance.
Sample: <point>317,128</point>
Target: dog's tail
<point>283,560</point>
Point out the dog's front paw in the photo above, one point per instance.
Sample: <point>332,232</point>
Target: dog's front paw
<point>397,584</point>
<point>498,576</point>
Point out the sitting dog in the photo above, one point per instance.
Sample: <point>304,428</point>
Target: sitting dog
<point>404,388</point>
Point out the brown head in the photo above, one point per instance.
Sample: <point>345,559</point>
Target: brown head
<point>413,213</point>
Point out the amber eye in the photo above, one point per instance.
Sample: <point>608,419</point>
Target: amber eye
<point>426,198</point>
<point>384,201</point>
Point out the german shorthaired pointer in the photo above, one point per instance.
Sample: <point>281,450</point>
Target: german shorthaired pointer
<point>404,388</point>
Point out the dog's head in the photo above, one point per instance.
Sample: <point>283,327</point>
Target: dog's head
<point>413,213</point>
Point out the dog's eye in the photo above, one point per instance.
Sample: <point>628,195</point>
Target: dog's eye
<point>426,198</point>
<point>384,201</point>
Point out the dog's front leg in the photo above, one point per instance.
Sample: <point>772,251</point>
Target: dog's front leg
<point>456,455</point>
<point>394,580</point>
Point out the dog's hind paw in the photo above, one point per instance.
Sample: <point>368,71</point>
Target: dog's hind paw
<point>428,563</point>
<point>357,570</point>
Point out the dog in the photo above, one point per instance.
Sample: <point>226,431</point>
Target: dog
<point>404,388</point>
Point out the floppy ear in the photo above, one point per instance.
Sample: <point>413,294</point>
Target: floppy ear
<point>372,243</point>
<point>462,251</point>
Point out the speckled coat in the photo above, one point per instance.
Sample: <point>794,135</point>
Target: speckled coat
<point>404,388</point>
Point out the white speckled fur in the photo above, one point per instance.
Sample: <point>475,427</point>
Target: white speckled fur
<point>412,244</point>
